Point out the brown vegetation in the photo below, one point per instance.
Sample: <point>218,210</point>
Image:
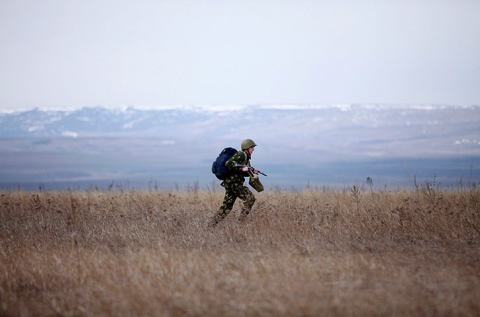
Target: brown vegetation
<point>351,252</point>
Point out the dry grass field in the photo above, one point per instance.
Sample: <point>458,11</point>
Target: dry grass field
<point>350,252</point>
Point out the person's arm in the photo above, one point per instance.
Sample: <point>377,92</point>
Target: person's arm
<point>239,158</point>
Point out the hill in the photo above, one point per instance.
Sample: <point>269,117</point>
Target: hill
<point>324,145</point>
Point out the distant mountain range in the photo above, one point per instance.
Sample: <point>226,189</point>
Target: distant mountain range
<point>299,143</point>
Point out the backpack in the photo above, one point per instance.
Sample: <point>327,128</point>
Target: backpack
<point>218,166</point>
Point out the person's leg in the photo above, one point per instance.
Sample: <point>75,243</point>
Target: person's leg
<point>248,200</point>
<point>226,207</point>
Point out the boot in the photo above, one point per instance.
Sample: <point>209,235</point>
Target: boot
<point>243,216</point>
<point>212,224</point>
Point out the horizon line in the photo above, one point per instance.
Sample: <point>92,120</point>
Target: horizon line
<point>239,107</point>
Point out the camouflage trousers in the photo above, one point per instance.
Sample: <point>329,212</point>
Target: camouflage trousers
<point>231,194</point>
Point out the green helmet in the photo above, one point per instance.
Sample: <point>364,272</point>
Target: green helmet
<point>247,143</point>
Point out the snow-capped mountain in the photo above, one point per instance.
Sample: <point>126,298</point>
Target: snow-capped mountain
<point>137,121</point>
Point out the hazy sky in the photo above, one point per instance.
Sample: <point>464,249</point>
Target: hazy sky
<point>151,53</point>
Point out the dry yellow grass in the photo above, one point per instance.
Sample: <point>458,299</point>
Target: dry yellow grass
<point>311,253</point>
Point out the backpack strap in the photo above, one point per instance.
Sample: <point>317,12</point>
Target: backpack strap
<point>246,159</point>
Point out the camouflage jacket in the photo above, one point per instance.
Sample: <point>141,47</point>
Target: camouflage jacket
<point>236,177</point>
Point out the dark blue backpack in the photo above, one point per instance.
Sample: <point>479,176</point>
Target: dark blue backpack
<point>218,166</point>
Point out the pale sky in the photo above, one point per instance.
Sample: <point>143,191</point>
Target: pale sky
<point>154,53</point>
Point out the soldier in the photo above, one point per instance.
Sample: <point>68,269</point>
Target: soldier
<point>234,184</point>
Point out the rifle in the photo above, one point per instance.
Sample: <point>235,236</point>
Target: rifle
<point>250,169</point>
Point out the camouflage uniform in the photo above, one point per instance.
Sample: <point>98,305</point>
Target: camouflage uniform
<point>234,188</point>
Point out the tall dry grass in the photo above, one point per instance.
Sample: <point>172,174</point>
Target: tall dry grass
<point>351,252</point>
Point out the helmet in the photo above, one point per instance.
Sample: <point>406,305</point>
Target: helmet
<point>247,143</point>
